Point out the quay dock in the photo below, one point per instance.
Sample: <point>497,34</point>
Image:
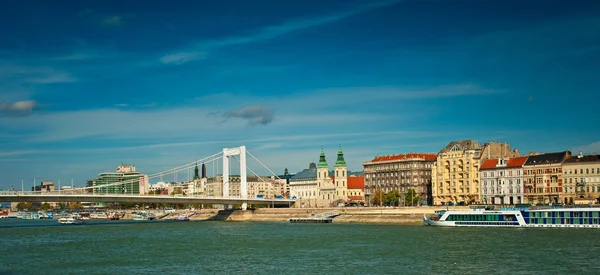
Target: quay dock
<point>326,217</point>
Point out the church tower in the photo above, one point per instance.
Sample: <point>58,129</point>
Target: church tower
<point>196,176</point>
<point>341,176</point>
<point>322,170</point>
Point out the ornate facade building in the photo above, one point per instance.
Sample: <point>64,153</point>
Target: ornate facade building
<point>581,175</point>
<point>315,187</point>
<point>303,186</point>
<point>332,189</point>
<point>455,174</point>
<point>502,180</point>
<point>543,177</point>
<point>399,172</point>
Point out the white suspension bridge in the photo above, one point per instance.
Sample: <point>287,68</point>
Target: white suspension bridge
<point>99,193</point>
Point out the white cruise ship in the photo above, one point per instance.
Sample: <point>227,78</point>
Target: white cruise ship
<point>480,216</point>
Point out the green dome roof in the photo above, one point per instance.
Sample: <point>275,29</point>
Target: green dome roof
<point>340,162</point>
<point>322,161</point>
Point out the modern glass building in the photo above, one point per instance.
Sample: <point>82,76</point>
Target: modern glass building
<point>132,183</point>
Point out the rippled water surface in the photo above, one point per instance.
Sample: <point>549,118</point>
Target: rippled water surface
<point>198,247</point>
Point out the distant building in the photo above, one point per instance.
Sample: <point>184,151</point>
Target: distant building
<point>399,172</point>
<point>133,182</point>
<point>45,186</point>
<point>502,180</point>
<point>581,175</point>
<point>455,174</point>
<point>286,176</point>
<point>543,177</point>
<point>356,189</point>
<point>303,186</point>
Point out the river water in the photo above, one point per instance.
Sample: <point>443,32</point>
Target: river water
<point>213,247</point>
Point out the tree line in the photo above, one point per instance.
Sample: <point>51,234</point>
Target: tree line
<point>394,198</point>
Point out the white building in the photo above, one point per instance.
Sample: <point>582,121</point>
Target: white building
<point>502,180</point>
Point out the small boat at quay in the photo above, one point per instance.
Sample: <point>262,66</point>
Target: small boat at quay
<point>486,216</point>
<point>98,216</point>
<point>181,218</point>
<point>73,219</point>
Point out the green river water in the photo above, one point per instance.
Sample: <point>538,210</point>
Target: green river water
<point>201,247</point>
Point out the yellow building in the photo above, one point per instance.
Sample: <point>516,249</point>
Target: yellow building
<point>581,176</point>
<point>455,174</point>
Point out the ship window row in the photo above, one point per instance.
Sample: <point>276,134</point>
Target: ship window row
<point>511,223</point>
<point>565,220</point>
<point>481,217</point>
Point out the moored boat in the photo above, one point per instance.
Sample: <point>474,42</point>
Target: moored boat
<point>98,216</point>
<point>74,219</point>
<point>517,217</point>
<point>181,218</point>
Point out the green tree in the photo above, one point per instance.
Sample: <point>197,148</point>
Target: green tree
<point>411,197</point>
<point>45,206</point>
<point>61,206</point>
<point>178,191</point>
<point>378,197</point>
<point>22,206</point>
<point>392,197</point>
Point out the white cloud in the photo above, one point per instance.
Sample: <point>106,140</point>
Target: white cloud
<point>182,57</point>
<point>19,108</point>
<point>256,114</point>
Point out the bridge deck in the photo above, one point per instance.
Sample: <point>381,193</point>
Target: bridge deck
<point>24,197</point>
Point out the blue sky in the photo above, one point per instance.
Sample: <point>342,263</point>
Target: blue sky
<point>87,85</point>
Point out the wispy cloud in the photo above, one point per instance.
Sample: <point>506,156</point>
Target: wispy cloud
<point>34,74</point>
<point>18,108</point>
<point>181,57</point>
<point>271,32</point>
<point>592,148</point>
<point>114,20</point>
<point>257,114</point>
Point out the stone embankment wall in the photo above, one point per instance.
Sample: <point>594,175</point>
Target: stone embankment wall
<point>407,215</point>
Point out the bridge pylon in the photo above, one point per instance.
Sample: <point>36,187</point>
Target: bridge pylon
<point>231,152</point>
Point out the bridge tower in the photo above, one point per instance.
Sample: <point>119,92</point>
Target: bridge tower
<point>230,152</point>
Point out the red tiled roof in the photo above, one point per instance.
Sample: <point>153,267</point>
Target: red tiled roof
<point>516,162</point>
<point>512,163</point>
<point>354,182</point>
<point>405,156</point>
<point>488,164</point>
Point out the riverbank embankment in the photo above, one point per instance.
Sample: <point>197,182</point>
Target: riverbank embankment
<point>401,215</point>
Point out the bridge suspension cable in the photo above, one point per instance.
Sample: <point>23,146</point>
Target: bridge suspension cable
<point>155,175</point>
<point>248,152</point>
